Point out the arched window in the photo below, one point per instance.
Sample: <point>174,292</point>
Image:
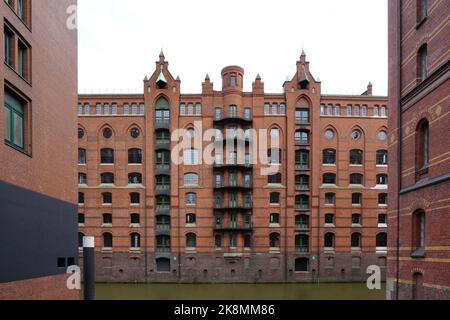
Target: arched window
<point>382,240</point>
<point>382,179</point>
<point>383,112</point>
<point>422,146</point>
<point>134,156</point>
<point>302,265</point>
<point>383,199</point>
<point>329,178</point>
<point>329,218</point>
<point>218,114</point>
<point>191,198</point>
<point>81,156</point>
<point>330,199</point>
<point>191,157</point>
<point>191,218</point>
<point>356,157</point>
<point>191,179</point>
<point>329,240</point>
<point>135,198</point>
<point>302,202</point>
<point>275,198</point>
<point>422,63</point>
<point>356,240</point>
<point>107,178</point>
<point>162,111</point>
<point>191,240</point>
<point>418,233</point>
<point>275,218</point>
<point>356,111</point>
<point>329,156</point>
<point>107,133</point>
<point>135,218</point>
<point>134,178</point>
<point>135,240</point>
<point>80,133</point>
<point>356,178</point>
<point>82,178</point>
<point>107,198</point>
<point>382,158</point>
<point>107,240</point>
<point>107,156</point>
<point>218,200</point>
<point>107,218</point>
<point>80,239</point>
<point>274,240</point>
<point>376,111</point>
<point>356,199</point>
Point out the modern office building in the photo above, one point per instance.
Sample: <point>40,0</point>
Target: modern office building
<point>38,208</point>
<point>419,127</point>
<point>322,214</point>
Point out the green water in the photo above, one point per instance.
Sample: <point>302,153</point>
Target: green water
<point>334,291</point>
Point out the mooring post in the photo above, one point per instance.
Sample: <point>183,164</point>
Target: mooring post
<point>89,268</point>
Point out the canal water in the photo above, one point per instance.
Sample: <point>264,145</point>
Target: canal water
<point>328,291</point>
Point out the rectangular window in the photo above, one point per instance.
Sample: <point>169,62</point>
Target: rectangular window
<point>322,109</point>
<point>98,109</point>
<point>337,110</point>
<point>114,109</point>
<point>8,47</point>
<point>182,109</point>
<point>275,108</point>
<point>233,81</point>
<point>22,61</point>
<point>267,109</point>
<point>198,109</point>
<point>190,109</point>
<point>282,108</point>
<point>349,110</point>
<point>126,109</point>
<point>106,109</point>
<point>134,108</point>
<point>14,111</point>
<point>141,109</point>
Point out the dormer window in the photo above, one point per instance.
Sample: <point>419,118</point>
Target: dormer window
<point>304,84</point>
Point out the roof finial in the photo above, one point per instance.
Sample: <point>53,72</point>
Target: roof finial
<point>161,55</point>
<point>258,77</point>
<point>207,78</point>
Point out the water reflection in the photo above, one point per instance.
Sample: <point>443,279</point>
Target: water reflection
<point>334,291</point>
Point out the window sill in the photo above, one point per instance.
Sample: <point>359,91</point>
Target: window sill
<point>356,225</point>
<point>329,225</point>
<point>418,254</point>
<point>382,226</point>
<point>274,225</point>
<point>135,225</point>
<point>18,149</point>
<point>107,225</point>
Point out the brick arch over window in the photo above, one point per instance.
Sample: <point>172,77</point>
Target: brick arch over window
<point>132,126</point>
<point>162,102</point>
<point>303,102</point>
<point>104,126</point>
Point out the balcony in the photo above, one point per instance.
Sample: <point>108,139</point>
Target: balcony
<point>234,186</point>
<point>233,119</point>
<point>302,122</point>
<point>162,169</point>
<point>162,144</point>
<point>233,165</point>
<point>234,207</point>
<point>302,167</point>
<point>302,249</point>
<point>246,227</point>
<point>302,207</point>
<point>302,227</point>
<point>162,249</point>
<point>302,142</point>
<point>302,187</point>
<point>162,124</point>
<point>163,229</point>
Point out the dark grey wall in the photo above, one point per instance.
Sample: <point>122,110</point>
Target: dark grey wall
<point>35,230</point>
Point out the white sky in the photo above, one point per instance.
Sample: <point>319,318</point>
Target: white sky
<point>345,41</point>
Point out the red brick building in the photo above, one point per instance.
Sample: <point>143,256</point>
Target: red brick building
<point>321,216</point>
<point>419,221</point>
<point>38,207</point>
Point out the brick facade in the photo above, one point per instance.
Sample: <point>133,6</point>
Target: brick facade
<point>253,248</point>
<point>419,251</point>
<point>38,79</point>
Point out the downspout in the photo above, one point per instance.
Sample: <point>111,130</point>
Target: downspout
<point>399,144</point>
<point>286,220</point>
<point>145,204</point>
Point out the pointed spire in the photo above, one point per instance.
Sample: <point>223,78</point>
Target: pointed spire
<point>207,78</point>
<point>162,58</point>
<point>178,78</point>
<point>258,77</point>
<point>303,56</point>
<point>146,78</point>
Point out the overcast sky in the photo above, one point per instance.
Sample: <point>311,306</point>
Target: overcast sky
<point>345,41</point>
